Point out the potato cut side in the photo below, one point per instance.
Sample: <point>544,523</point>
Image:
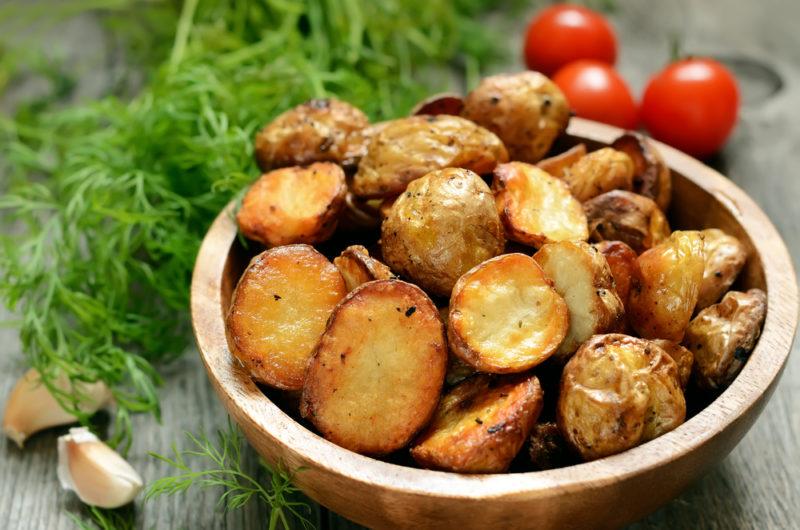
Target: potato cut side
<point>556,165</point>
<point>582,277</point>
<point>622,262</point>
<point>535,207</point>
<point>375,378</point>
<point>599,172</point>
<point>357,267</point>
<point>294,205</point>
<point>725,258</point>
<point>480,425</point>
<point>505,316</point>
<point>279,310</point>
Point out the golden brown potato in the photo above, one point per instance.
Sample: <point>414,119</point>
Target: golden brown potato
<point>442,226</point>
<point>557,164</point>
<point>547,448</point>
<point>666,284</point>
<point>316,131</point>
<point>651,177</point>
<point>628,217</point>
<point>278,313</point>
<point>480,425</point>
<point>683,358</point>
<point>505,316</point>
<point>722,336</point>
<point>526,110</point>
<point>582,277</point>
<point>622,262</point>
<point>357,267</point>
<point>725,258</point>
<point>408,148</point>
<point>446,103</point>
<point>377,372</point>
<point>536,208</point>
<point>617,392</point>
<point>358,143</point>
<point>599,172</point>
<point>294,205</point>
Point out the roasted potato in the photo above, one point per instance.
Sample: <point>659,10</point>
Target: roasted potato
<point>377,372</point>
<point>446,103</point>
<point>547,448</point>
<point>358,143</point>
<point>505,316</point>
<point>359,215</point>
<point>622,262</point>
<point>457,370</point>
<point>683,358</point>
<point>582,277</point>
<point>357,267</point>
<point>599,172</point>
<point>316,131</point>
<point>725,258</point>
<point>408,148</point>
<point>628,217</point>
<point>294,205</point>
<point>651,177</point>
<point>442,226</point>
<point>536,208</point>
<point>666,284</point>
<point>480,425</point>
<point>526,110</point>
<point>722,336</point>
<point>557,164</point>
<point>617,392</point>
<point>278,313</point>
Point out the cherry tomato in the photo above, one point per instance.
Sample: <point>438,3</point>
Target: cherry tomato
<point>595,91</point>
<point>564,33</point>
<point>692,105</point>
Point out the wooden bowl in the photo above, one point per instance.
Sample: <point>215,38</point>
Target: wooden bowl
<point>605,493</point>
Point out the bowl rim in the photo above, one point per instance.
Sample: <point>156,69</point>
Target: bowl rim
<point>757,378</point>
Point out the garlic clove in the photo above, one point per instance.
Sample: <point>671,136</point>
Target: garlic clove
<point>31,407</point>
<point>97,473</point>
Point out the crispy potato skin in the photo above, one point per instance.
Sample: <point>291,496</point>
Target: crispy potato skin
<point>628,217</point>
<point>683,358</point>
<point>278,313</point>
<point>546,447</point>
<point>666,284</point>
<point>358,143</point>
<point>442,226</point>
<point>480,425</point>
<point>526,110</point>
<point>556,165</point>
<point>357,267</point>
<point>505,316</point>
<point>621,261</point>
<point>652,178</point>
<point>617,392</point>
<point>316,131</point>
<point>722,336</point>
<point>583,278</point>
<point>725,258</point>
<point>599,172</point>
<point>536,208</point>
<point>447,103</point>
<point>408,148</point>
<point>375,377</point>
<point>294,205</point>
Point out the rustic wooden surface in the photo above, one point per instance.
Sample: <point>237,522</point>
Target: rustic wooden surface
<point>757,486</point>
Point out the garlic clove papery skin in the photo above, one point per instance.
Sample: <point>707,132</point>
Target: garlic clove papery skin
<point>95,472</point>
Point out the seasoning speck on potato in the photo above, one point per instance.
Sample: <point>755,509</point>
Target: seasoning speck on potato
<point>725,258</point>
<point>628,217</point>
<point>599,172</point>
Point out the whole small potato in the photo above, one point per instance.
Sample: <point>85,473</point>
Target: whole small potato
<point>442,226</point>
<point>599,172</point>
<point>628,217</point>
<point>725,257</point>
<point>616,393</point>
<point>526,110</point>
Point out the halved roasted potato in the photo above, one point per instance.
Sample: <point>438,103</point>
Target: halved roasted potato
<point>628,217</point>
<point>683,358</point>
<point>526,110</point>
<point>725,258</point>
<point>445,103</point>
<point>557,164</point>
<point>357,267</point>
<point>316,131</point>
<point>535,207</point>
<point>408,148</point>
<point>666,284</point>
<point>617,392</point>
<point>278,313</point>
<point>547,448</point>
<point>599,172</point>
<point>480,425</point>
<point>294,205</point>
<point>442,226</point>
<point>505,316</point>
<point>377,372</point>
<point>621,261</point>
<point>651,177</point>
<point>722,336</point>
<point>582,277</point>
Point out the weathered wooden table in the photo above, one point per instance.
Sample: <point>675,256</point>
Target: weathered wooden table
<point>757,486</point>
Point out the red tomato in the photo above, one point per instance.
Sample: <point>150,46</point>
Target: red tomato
<point>595,91</point>
<point>564,33</point>
<point>692,105</point>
